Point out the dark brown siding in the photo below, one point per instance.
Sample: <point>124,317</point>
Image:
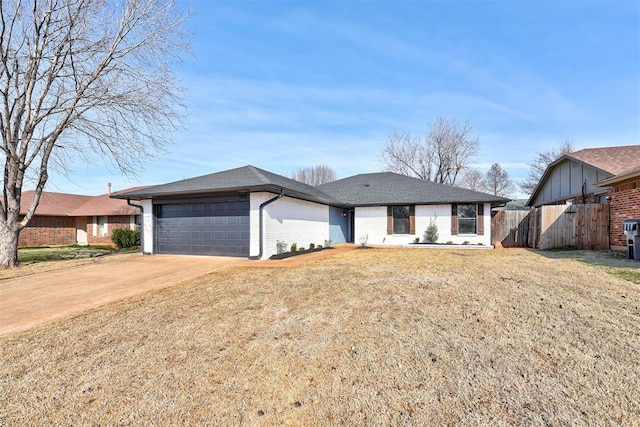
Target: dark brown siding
<point>412,219</point>
<point>454,219</point>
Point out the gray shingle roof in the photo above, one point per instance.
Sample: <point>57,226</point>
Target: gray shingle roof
<point>373,189</point>
<point>388,188</point>
<point>246,178</point>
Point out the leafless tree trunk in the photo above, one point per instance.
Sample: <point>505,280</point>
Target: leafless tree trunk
<point>82,77</point>
<point>498,183</point>
<point>541,162</point>
<point>314,175</point>
<point>445,151</point>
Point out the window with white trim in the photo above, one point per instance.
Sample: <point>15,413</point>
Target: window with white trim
<point>102,226</point>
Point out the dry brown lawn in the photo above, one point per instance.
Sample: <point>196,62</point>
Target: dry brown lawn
<point>42,267</point>
<point>367,337</point>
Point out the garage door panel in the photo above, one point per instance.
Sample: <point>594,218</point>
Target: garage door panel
<point>216,228</point>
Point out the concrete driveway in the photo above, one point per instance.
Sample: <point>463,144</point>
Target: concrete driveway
<point>30,300</point>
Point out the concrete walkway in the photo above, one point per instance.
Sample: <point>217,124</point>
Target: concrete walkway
<point>31,300</point>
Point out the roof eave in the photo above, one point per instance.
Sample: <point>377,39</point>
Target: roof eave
<point>495,202</point>
<point>202,192</point>
<point>618,178</point>
<point>544,176</point>
<point>248,189</point>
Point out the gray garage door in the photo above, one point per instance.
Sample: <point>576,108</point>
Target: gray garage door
<point>214,228</point>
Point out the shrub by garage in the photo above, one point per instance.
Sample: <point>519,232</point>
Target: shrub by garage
<point>125,238</point>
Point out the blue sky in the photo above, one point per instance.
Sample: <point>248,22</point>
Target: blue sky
<point>285,84</point>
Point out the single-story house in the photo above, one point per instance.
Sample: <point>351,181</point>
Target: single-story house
<point>247,211</point>
<point>66,219</point>
<point>573,177</point>
<point>623,192</point>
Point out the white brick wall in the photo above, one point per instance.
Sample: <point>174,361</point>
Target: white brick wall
<point>289,220</point>
<point>147,226</point>
<point>371,223</point>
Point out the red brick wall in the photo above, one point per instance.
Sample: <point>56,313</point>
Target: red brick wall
<point>588,198</point>
<point>114,221</point>
<point>624,204</point>
<point>49,231</point>
<point>61,230</point>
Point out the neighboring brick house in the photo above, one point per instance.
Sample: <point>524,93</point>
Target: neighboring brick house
<point>595,175</point>
<point>66,219</point>
<point>624,201</point>
<point>573,177</point>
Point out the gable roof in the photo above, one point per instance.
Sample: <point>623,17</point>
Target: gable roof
<point>388,188</point>
<point>63,204</point>
<point>246,178</point>
<point>612,160</point>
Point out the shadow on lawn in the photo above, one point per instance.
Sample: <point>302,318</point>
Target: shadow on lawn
<point>613,262</point>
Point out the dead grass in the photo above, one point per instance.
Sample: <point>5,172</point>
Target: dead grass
<point>41,267</point>
<point>377,337</point>
<point>612,262</point>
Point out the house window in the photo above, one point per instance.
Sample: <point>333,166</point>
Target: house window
<point>102,226</point>
<point>467,219</point>
<point>401,220</point>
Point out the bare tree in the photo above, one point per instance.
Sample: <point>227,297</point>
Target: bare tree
<point>88,78</point>
<point>473,179</point>
<point>541,162</point>
<point>497,181</point>
<point>445,151</point>
<point>314,175</point>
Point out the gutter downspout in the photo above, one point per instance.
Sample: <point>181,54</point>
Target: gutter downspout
<point>259,256</point>
<point>142,227</point>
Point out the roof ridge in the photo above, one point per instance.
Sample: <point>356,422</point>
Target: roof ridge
<point>44,193</point>
<point>259,173</point>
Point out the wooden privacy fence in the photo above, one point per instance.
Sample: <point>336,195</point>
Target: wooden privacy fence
<point>511,229</point>
<point>584,226</point>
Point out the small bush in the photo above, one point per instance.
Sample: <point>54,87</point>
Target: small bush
<point>431,234</point>
<point>302,248</point>
<point>416,240</point>
<point>319,246</point>
<point>281,247</point>
<point>449,242</point>
<point>466,242</point>
<point>125,238</point>
<point>327,243</point>
<point>312,245</point>
<point>294,247</point>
